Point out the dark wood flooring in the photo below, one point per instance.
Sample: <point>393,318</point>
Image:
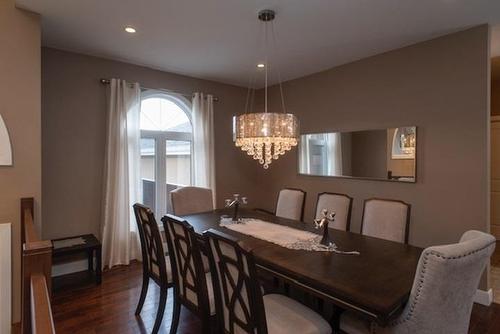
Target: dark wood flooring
<point>109,308</point>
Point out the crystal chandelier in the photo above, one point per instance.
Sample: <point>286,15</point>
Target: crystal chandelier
<point>266,135</point>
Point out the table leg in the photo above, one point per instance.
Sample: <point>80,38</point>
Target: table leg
<point>91,260</point>
<point>98,269</point>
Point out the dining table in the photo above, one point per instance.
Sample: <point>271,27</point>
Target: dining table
<point>375,283</point>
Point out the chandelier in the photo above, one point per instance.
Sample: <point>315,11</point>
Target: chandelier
<point>266,135</point>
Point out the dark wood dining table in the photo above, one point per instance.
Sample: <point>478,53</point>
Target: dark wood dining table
<point>376,283</point>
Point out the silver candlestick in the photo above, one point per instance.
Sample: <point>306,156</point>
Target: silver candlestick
<point>236,202</point>
<point>323,222</point>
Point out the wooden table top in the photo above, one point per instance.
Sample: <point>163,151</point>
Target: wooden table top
<point>376,283</point>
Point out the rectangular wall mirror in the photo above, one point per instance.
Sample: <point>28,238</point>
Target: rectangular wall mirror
<point>386,154</point>
<point>5,148</point>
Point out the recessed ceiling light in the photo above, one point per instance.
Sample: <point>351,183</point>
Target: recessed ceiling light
<point>261,65</point>
<point>130,30</point>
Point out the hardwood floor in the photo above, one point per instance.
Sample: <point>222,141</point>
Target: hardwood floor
<point>109,308</point>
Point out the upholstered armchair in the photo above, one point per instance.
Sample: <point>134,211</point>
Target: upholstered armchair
<point>191,200</point>
<point>441,299</point>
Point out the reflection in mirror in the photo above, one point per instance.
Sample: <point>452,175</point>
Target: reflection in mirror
<point>387,154</point>
<point>5,149</point>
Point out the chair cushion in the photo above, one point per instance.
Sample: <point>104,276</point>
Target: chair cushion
<point>352,323</point>
<point>285,315</point>
<point>210,289</point>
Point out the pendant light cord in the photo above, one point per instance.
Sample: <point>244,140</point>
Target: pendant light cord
<point>278,70</point>
<point>266,64</point>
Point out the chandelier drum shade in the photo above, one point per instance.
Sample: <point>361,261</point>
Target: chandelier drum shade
<point>266,135</point>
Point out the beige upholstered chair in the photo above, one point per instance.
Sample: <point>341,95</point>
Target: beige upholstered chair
<point>386,219</point>
<point>290,204</point>
<point>240,306</point>
<point>441,299</point>
<point>190,200</point>
<point>192,284</point>
<point>340,204</point>
<point>155,266</point>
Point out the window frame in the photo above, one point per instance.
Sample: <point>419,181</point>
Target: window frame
<point>160,138</point>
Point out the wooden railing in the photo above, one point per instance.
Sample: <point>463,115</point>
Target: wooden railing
<point>36,316</point>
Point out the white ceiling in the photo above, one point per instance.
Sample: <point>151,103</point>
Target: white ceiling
<point>219,39</point>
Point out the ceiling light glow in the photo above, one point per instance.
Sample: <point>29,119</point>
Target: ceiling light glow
<point>130,30</point>
<point>261,65</point>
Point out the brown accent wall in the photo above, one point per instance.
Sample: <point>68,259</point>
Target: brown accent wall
<point>73,133</point>
<point>441,86</point>
<point>20,109</point>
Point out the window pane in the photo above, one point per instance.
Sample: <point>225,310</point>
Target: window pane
<point>160,114</point>
<point>178,166</point>
<point>148,158</point>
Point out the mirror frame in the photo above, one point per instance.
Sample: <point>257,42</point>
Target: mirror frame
<point>360,177</point>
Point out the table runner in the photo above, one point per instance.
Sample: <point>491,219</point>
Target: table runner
<point>284,236</point>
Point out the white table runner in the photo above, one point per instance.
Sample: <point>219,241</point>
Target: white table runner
<point>283,236</point>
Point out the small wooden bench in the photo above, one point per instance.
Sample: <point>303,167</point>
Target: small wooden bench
<point>86,243</point>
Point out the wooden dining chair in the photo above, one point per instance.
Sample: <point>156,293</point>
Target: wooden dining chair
<point>191,200</point>
<point>155,266</point>
<point>192,285</point>
<point>443,290</point>
<point>341,204</point>
<point>386,219</point>
<point>240,305</point>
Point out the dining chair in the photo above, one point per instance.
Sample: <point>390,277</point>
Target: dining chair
<point>290,204</point>
<point>240,304</point>
<point>386,219</point>
<point>155,265</point>
<point>341,204</point>
<point>443,290</point>
<point>192,284</point>
<point>191,200</point>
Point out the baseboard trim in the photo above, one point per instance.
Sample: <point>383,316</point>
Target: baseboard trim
<point>60,269</point>
<point>484,297</point>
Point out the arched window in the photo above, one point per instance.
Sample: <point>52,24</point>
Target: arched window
<point>166,148</point>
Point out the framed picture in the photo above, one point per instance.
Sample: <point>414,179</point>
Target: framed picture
<point>404,142</point>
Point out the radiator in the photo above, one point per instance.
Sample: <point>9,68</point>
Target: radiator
<point>5,278</point>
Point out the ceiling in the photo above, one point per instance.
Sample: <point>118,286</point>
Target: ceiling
<point>221,40</point>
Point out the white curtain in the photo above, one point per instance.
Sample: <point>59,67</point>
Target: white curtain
<point>203,137</point>
<point>120,242</point>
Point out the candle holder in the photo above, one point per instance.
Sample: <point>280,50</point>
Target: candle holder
<point>235,203</point>
<point>323,222</point>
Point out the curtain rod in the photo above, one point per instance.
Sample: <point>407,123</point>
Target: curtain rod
<point>108,81</point>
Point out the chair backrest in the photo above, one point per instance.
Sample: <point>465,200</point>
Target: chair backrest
<point>238,298</point>
<point>290,203</point>
<point>191,200</point>
<point>386,219</point>
<point>340,204</point>
<point>188,275</point>
<point>153,255</point>
<point>446,280</point>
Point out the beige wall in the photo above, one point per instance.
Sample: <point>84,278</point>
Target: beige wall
<point>440,86</point>
<point>73,132</point>
<point>20,109</point>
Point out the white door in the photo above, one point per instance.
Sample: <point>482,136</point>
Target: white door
<point>495,176</point>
